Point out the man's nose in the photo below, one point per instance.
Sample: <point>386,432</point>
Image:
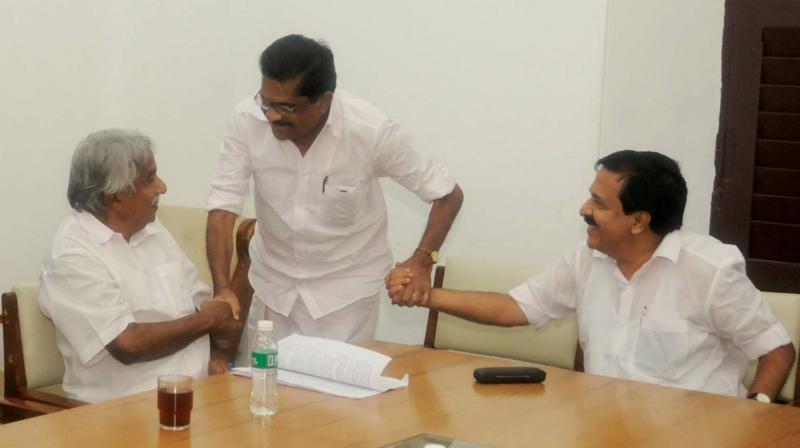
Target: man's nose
<point>273,115</point>
<point>163,187</point>
<point>585,209</point>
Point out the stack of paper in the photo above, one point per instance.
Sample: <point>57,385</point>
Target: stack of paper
<point>332,367</point>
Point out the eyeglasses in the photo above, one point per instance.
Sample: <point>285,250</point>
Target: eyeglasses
<point>283,109</point>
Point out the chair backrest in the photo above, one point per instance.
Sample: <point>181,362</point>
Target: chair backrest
<point>786,308</point>
<point>188,226</point>
<point>554,344</point>
<point>43,364</point>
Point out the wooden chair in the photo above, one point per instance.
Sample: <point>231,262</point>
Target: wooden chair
<point>555,344</point>
<point>786,308</point>
<point>34,369</point>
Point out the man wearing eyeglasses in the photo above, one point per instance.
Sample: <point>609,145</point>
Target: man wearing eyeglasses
<point>315,155</point>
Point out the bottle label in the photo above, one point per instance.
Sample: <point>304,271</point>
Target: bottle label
<point>268,360</point>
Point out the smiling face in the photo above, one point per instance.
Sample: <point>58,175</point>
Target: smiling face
<point>610,229</point>
<point>137,209</point>
<point>304,124</point>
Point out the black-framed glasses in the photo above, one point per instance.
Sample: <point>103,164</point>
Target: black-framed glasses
<point>283,109</point>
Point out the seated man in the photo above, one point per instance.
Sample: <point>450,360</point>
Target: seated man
<point>125,301</point>
<point>654,304</point>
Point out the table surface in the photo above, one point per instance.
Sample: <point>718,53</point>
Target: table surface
<point>569,410</point>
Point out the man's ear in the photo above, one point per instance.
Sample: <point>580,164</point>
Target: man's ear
<point>641,222</point>
<point>110,200</point>
<point>325,100</point>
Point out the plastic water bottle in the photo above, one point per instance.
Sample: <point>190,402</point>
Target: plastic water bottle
<point>264,349</point>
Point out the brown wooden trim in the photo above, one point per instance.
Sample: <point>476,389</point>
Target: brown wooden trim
<point>50,399</point>
<point>14,377</point>
<point>240,283</point>
<point>776,276</point>
<point>433,315</point>
<point>15,409</point>
<point>578,364</point>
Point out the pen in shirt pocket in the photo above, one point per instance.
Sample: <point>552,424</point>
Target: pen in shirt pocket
<point>324,182</point>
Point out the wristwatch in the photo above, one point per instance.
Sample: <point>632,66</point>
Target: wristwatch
<point>433,254</point>
<point>759,396</point>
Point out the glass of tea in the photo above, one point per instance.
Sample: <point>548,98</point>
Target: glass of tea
<point>175,397</point>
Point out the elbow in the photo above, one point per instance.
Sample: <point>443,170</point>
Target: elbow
<point>456,197</point>
<point>125,349</point>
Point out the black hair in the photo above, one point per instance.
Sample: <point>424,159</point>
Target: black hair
<point>296,56</point>
<point>652,183</point>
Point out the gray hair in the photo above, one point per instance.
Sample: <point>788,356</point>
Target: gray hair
<point>106,162</point>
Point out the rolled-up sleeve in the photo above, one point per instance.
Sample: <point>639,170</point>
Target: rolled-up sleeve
<point>741,315</point>
<point>396,158</point>
<point>549,295</point>
<point>84,301</point>
<point>230,185</point>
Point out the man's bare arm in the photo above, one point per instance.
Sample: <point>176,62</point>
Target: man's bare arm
<point>491,308</point>
<point>141,342</point>
<point>219,250</point>
<point>443,212</point>
<point>773,368</point>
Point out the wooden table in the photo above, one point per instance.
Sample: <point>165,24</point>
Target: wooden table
<point>569,410</point>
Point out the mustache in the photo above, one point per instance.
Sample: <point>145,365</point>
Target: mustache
<point>281,123</point>
<point>589,219</point>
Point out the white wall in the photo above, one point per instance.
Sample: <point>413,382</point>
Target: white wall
<point>508,95</point>
<point>662,88</point>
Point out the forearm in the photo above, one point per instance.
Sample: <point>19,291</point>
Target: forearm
<point>141,342</point>
<point>482,307</point>
<point>443,212</point>
<point>219,246</point>
<point>773,368</point>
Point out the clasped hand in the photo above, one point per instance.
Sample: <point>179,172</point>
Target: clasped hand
<point>409,283</point>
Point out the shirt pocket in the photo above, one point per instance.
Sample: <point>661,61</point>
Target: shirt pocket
<point>341,201</point>
<point>662,347</point>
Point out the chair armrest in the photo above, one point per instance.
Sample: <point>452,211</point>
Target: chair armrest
<point>240,284</point>
<point>49,399</point>
<point>14,409</point>
<point>433,315</point>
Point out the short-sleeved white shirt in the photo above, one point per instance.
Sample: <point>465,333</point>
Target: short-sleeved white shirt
<point>94,283</point>
<point>322,224</point>
<point>688,318</point>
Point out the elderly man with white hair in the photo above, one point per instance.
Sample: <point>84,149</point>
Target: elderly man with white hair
<point>125,300</point>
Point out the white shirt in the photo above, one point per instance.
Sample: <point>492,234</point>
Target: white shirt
<point>94,284</point>
<point>688,318</point>
<point>322,225</point>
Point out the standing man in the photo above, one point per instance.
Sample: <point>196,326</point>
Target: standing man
<point>316,155</point>
<point>654,303</point>
<point>125,300</point>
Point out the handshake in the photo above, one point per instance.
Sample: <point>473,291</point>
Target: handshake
<point>409,284</point>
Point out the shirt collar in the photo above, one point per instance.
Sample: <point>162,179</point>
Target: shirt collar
<point>101,234</point>
<point>669,248</point>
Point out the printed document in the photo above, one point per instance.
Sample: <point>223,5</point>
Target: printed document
<point>332,367</point>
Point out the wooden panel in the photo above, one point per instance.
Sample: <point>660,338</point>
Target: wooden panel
<point>776,182</point>
<point>778,242</point>
<point>776,209</point>
<point>781,41</point>
<point>779,99</point>
<point>770,275</point>
<point>778,154</point>
<point>780,71</point>
<point>778,126</point>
